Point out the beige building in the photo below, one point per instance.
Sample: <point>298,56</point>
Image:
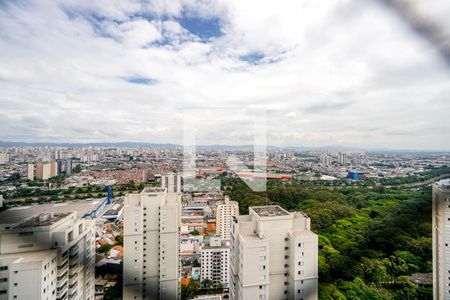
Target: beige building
<point>441,240</point>
<point>224,211</point>
<point>151,245</point>
<point>43,170</point>
<point>48,256</point>
<point>274,255</point>
<point>30,172</point>
<point>53,168</point>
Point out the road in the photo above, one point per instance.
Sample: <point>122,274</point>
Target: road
<point>420,183</point>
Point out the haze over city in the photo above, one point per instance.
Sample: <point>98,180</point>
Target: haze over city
<point>335,72</point>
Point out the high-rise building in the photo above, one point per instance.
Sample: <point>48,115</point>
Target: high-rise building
<point>171,182</point>
<point>342,158</point>
<point>274,255</point>
<point>43,170</point>
<point>30,171</point>
<point>59,165</point>
<point>325,159</point>
<point>151,245</point>
<point>53,168</point>
<point>441,239</point>
<point>224,211</point>
<point>4,158</point>
<point>48,256</point>
<point>69,167</point>
<point>215,261</point>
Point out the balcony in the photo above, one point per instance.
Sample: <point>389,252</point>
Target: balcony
<point>74,295</point>
<point>74,285</point>
<point>74,256</point>
<point>62,276</point>
<point>62,296</point>
<point>63,266</point>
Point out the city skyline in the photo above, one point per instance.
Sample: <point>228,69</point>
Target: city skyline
<point>130,70</point>
<point>226,147</point>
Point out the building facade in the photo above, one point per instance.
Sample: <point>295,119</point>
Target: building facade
<point>30,172</point>
<point>171,182</point>
<point>43,170</point>
<point>224,212</point>
<point>4,158</point>
<point>441,240</point>
<point>274,255</point>
<point>342,158</point>
<point>69,167</point>
<point>53,168</point>
<point>151,245</point>
<point>215,261</point>
<point>48,256</point>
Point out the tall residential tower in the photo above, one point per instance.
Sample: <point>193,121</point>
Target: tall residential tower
<point>441,240</point>
<point>224,211</point>
<point>274,255</point>
<point>151,245</point>
<point>50,256</point>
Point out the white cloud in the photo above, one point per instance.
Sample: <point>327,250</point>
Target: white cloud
<point>139,33</point>
<point>334,72</point>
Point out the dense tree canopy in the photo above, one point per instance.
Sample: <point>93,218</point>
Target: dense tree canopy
<point>370,240</point>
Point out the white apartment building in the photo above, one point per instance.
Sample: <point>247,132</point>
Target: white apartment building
<point>224,212</point>
<point>151,245</point>
<point>441,240</point>
<point>274,255</point>
<point>325,159</point>
<point>215,261</point>
<point>4,158</point>
<point>171,182</point>
<point>48,256</point>
<point>342,158</point>
<point>30,171</point>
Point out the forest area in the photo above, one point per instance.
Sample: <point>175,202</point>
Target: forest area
<point>370,240</point>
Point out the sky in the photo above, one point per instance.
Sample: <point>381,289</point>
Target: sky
<point>314,73</point>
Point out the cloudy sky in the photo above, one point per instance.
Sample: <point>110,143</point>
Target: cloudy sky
<point>337,72</point>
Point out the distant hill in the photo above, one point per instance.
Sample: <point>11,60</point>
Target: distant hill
<point>84,145</point>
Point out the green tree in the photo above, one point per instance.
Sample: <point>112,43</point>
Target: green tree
<point>105,248</point>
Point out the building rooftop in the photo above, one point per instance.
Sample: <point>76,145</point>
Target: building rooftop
<point>26,257</point>
<point>444,183</point>
<point>269,211</point>
<point>43,219</point>
<point>16,215</point>
<point>153,190</point>
<point>115,209</point>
